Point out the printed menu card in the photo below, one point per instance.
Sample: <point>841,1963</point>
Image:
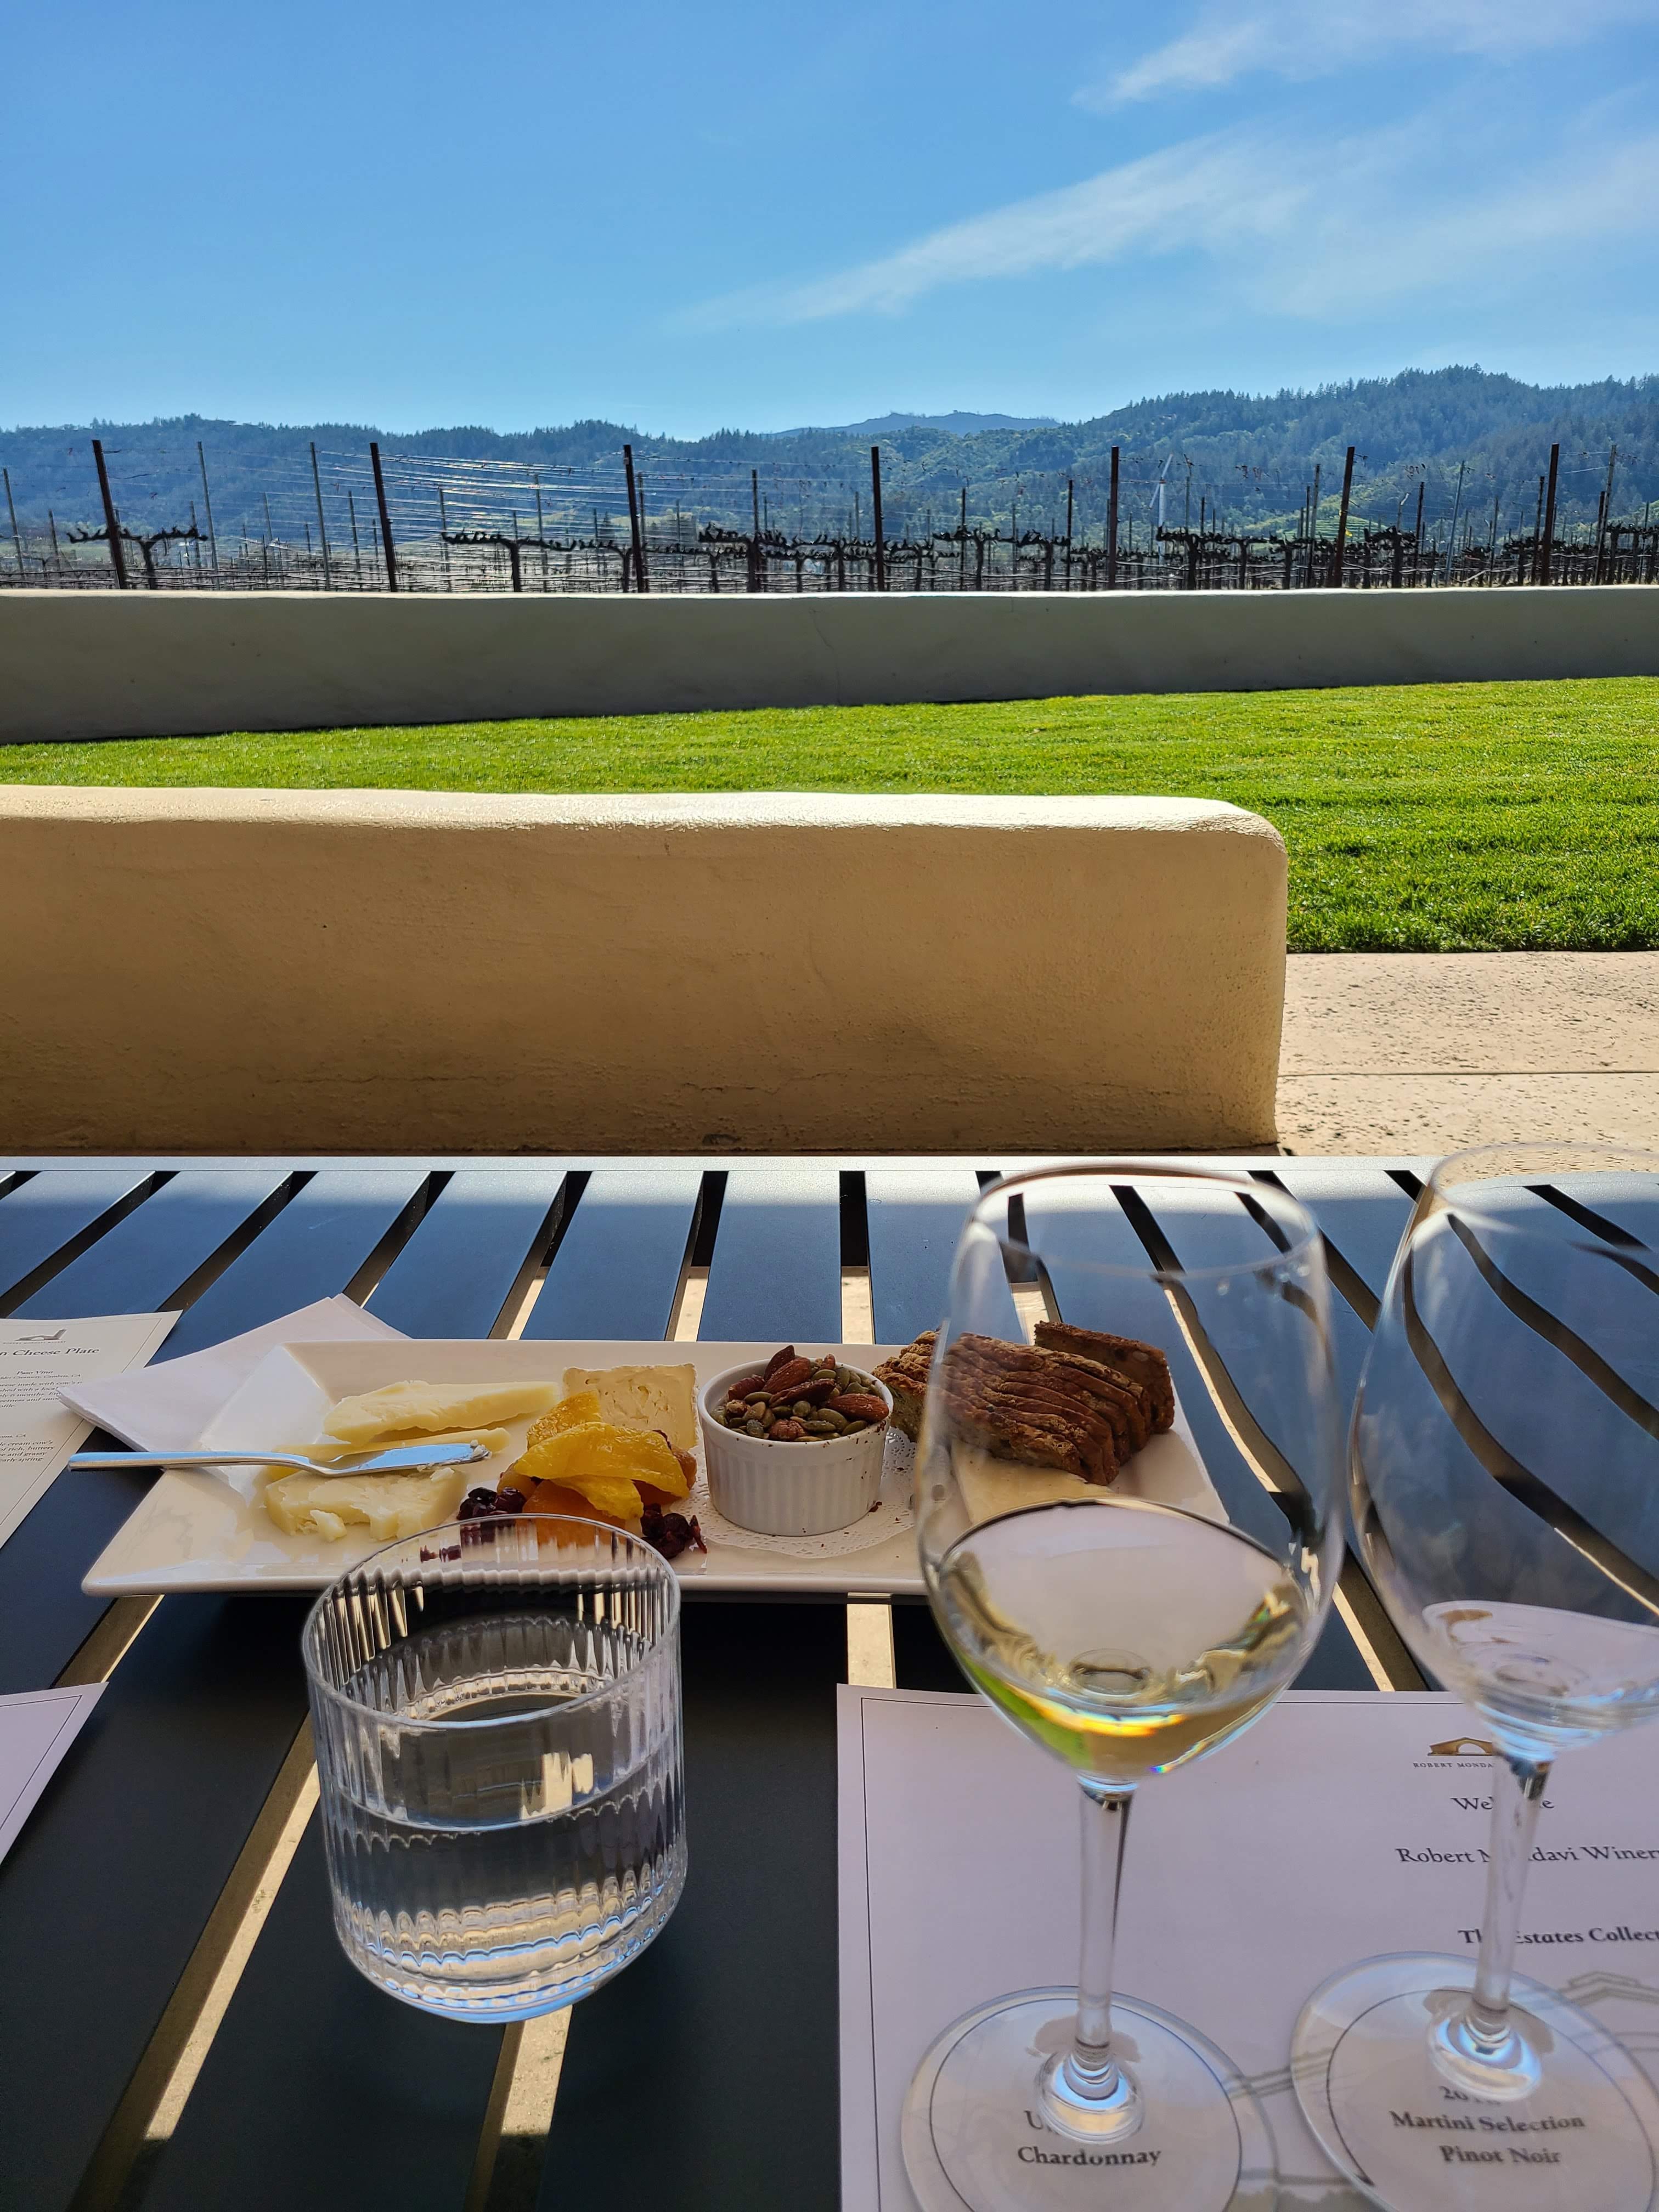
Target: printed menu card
<point>38,1358</point>
<point>36,1729</point>
<point>1343,1825</point>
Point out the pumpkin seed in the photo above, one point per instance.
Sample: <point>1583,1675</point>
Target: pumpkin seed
<point>818,1427</point>
<point>754,1428</point>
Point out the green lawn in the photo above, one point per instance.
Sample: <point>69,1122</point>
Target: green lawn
<point>1419,818</point>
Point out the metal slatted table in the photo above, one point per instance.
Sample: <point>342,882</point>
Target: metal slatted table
<point>177,2038</point>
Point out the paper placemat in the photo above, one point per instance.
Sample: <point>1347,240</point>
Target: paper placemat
<point>41,1363</point>
<point>1342,1826</point>
<point>36,1729</point>
<point>167,1407</point>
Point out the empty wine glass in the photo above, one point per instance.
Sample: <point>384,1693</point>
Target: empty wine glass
<point>1127,1615</point>
<point>1505,1478</point>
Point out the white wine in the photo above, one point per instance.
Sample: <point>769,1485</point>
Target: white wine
<point>1124,1636</point>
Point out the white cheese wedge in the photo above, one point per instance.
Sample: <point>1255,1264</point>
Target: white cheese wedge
<point>644,1398</point>
<point>327,1448</point>
<point>387,1505</point>
<point>424,1408</point>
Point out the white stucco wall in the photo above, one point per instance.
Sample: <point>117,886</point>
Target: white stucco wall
<point>388,971</point>
<point>107,664</point>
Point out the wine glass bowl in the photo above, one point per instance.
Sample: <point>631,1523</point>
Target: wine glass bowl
<point>1504,1487</point>
<point>1125,1607</point>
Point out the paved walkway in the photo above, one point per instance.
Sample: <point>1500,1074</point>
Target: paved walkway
<point>1427,1052</point>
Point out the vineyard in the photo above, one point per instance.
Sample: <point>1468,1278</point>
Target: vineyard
<point>365,521</point>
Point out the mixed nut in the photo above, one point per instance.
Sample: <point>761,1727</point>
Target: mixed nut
<point>797,1400</point>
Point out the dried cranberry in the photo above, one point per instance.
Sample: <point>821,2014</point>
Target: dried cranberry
<point>671,1533</point>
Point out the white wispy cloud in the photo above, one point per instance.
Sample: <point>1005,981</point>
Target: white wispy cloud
<point>1300,39</point>
<point>1306,228</point>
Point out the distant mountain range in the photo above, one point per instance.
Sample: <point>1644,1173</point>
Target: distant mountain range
<point>957,425</point>
<point>1467,438</point>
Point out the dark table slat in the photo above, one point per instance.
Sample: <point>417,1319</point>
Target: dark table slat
<point>318,2088</point>
<point>775,1275</point>
<point>1211,1229</point>
<point>105,1893</point>
<point>1362,1214</point>
<point>49,1209</point>
<point>921,1657</point>
<point>312,1250</point>
<point>458,1270</point>
<point>618,1265</point>
<point>45,1614</point>
<point>146,1258</point>
<point>732,2012</point>
<point>915,1216</point>
<point>1129,1306</point>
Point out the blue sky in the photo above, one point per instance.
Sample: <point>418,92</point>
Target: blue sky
<point>746,212</point>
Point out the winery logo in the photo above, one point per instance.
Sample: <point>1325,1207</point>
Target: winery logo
<point>1463,1747</point>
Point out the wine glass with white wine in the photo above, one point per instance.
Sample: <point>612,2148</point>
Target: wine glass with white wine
<point>1099,1591</point>
<point>1504,1480</point>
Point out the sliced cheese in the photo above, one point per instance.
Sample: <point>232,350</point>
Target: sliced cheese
<point>327,1448</point>
<point>424,1408</point>
<point>644,1398</point>
<point>387,1505</point>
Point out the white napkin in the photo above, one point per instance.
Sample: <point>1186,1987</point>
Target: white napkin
<point>165,1408</point>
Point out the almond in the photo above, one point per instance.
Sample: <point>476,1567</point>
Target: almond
<point>778,1360</point>
<point>860,1406</point>
<point>781,1381</point>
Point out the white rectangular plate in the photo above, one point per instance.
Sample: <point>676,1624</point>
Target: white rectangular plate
<point>201,1531</point>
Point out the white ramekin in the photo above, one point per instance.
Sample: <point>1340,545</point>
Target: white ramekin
<point>789,1490</point>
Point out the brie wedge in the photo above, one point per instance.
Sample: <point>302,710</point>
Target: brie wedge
<point>644,1398</point>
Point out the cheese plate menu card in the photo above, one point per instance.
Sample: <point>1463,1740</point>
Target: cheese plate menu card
<point>37,1728</point>
<point>1342,1826</point>
<point>39,1358</point>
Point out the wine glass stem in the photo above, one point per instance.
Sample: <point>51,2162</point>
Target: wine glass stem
<point>1091,2067</point>
<point>1478,2048</point>
<point>1517,1792</point>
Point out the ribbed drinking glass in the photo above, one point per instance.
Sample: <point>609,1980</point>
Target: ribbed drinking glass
<point>496,1707</point>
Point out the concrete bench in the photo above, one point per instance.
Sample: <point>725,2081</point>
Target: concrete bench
<point>390,971</point>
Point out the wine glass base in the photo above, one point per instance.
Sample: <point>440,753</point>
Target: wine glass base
<point>974,2136</point>
<point>1586,2139</point>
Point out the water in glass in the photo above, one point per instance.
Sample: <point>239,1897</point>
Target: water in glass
<point>498,1732</point>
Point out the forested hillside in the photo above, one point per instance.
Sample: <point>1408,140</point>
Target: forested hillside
<point>1468,438</point>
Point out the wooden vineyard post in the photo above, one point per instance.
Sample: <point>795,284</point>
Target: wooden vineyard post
<point>1342,522</point>
<point>322,526</point>
<point>1417,541</point>
<point>387,552</point>
<point>116,558</point>
<point>1546,543</point>
<point>1111,527</point>
<point>1068,533</point>
<point>213,538</point>
<point>1607,517</point>
<point>875,494</point>
<point>642,582</point>
<point>962,544</point>
<point>755,581</point>
<point>17,539</point>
